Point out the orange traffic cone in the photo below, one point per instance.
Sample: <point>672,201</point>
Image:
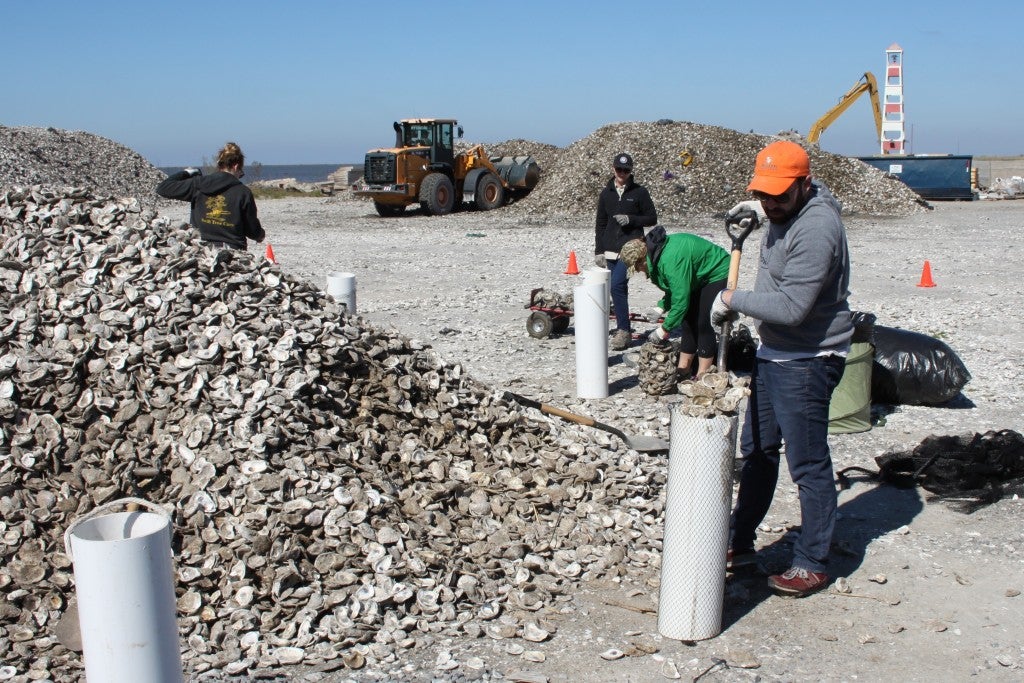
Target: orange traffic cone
<point>926,276</point>
<point>270,254</point>
<point>572,268</point>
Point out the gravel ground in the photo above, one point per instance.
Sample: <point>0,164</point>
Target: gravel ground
<point>935,592</point>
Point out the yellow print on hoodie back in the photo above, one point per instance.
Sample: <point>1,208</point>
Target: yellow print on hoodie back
<point>217,211</point>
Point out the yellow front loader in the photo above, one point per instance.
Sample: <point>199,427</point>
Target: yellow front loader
<point>423,168</point>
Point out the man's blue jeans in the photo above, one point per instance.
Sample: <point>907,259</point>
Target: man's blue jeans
<point>618,286</point>
<point>789,404</point>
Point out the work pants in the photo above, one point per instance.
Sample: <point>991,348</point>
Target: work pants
<point>618,285</point>
<point>696,335</point>
<point>789,404</point>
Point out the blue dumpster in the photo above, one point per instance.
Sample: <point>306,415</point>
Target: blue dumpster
<point>933,176</point>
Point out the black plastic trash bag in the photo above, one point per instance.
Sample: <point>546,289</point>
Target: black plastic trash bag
<point>911,368</point>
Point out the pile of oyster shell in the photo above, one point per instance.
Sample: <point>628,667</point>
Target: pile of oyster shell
<point>656,368</point>
<point>712,394</point>
<point>339,494</point>
<point>691,170</point>
<point>547,298</point>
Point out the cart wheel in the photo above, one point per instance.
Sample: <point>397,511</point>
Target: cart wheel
<point>560,324</point>
<point>539,324</point>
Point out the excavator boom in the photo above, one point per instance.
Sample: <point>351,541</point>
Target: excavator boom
<point>867,84</point>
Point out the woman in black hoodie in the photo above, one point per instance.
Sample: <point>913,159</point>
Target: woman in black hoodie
<point>223,209</point>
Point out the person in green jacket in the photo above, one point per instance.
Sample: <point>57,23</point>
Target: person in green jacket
<point>691,271</point>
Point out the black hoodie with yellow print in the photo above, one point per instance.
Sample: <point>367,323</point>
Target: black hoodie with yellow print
<point>223,209</point>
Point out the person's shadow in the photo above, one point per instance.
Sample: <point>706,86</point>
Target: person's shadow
<point>864,516</point>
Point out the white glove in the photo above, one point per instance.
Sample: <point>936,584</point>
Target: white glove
<point>600,261</point>
<point>720,312</point>
<point>658,335</point>
<point>655,313</point>
<point>622,219</point>
<point>191,171</point>
<point>751,205</point>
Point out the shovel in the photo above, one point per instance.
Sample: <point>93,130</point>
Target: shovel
<point>746,221</point>
<point>644,444</point>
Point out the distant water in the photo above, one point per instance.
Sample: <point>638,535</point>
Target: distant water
<point>304,173</point>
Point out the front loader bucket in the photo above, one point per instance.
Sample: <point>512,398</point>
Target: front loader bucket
<point>521,172</point>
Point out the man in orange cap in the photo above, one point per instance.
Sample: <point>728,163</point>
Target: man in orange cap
<point>799,301</point>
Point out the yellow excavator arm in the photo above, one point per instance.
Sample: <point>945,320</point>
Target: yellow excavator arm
<point>867,84</point>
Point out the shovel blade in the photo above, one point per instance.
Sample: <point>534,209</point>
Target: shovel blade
<point>647,444</point>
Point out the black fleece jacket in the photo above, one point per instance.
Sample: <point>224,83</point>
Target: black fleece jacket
<point>223,209</point>
<point>635,203</point>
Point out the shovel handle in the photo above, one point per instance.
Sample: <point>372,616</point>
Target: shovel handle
<point>747,222</point>
<point>552,410</point>
<point>734,270</point>
<point>723,346</point>
<point>571,417</point>
<point>557,412</point>
<point>636,444</point>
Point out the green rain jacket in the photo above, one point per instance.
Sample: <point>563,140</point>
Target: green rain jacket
<point>686,263</point>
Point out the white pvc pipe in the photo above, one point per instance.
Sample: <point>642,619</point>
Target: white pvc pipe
<point>342,288</point>
<point>697,506</point>
<point>125,587</point>
<point>602,276</point>
<point>591,324</point>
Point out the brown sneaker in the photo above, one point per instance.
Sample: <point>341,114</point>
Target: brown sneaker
<point>620,340</point>
<point>798,582</point>
<point>740,559</point>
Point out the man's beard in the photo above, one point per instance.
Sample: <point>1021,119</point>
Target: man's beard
<point>778,216</point>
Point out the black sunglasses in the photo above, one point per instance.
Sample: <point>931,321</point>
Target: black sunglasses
<point>624,170</point>
<point>778,198</point>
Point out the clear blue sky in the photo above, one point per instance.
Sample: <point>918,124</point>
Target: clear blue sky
<point>321,81</point>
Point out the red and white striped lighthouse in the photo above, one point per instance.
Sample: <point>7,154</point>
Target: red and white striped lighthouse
<point>893,133</point>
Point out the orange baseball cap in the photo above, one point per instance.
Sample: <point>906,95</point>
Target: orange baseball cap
<point>778,165</point>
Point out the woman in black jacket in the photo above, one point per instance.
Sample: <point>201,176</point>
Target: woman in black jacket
<point>223,209</point>
<point>624,209</point>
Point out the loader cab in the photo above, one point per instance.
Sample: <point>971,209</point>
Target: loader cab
<point>418,135</point>
<point>437,134</point>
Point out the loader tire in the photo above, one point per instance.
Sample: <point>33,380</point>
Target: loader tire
<point>388,210</point>
<point>489,193</point>
<point>437,194</point>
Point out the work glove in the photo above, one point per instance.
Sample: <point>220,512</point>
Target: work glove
<point>622,219</point>
<point>655,313</point>
<point>720,312</point>
<point>658,335</point>
<point>600,261</point>
<point>191,171</point>
<point>749,205</point>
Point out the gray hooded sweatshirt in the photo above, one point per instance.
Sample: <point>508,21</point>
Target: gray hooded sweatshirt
<point>803,279</point>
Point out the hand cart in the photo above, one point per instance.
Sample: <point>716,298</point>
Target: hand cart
<point>544,321</point>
